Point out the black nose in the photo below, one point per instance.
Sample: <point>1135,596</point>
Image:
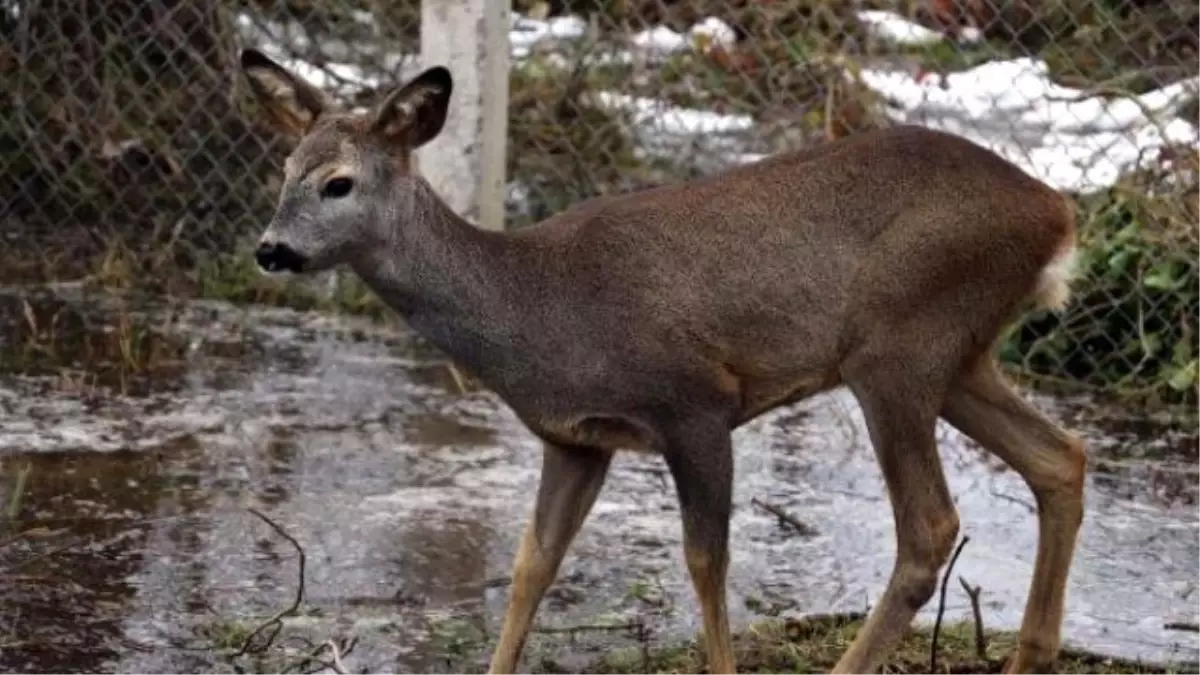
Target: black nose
<point>275,257</point>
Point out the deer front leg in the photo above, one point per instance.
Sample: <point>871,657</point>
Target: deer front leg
<point>701,463</point>
<point>571,479</point>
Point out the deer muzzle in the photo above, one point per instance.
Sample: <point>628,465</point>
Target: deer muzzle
<point>276,257</point>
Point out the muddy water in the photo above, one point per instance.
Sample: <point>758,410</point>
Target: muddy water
<point>149,437</point>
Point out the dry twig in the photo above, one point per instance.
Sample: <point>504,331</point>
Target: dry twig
<point>22,564</point>
<point>937,624</point>
<point>980,636</point>
<point>275,623</point>
<point>336,655</point>
<point>581,628</point>
<point>1015,500</point>
<point>338,650</point>
<point>20,483</point>
<point>460,380</point>
<point>801,528</point>
<point>801,628</point>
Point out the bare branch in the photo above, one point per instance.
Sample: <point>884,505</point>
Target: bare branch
<point>937,625</point>
<point>980,636</point>
<point>276,622</point>
<point>583,628</point>
<point>801,528</point>
<point>338,650</point>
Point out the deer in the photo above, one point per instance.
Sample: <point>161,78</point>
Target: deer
<point>660,320</point>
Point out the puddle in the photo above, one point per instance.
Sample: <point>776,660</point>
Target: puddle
<point>408,499</point>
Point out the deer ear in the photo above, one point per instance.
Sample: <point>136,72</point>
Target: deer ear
<point>291,104</point>
<point>415,113</point>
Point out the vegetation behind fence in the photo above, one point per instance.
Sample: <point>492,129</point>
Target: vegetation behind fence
<point>128,157</point>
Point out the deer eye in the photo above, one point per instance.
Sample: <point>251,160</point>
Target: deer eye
<point>336,187</point>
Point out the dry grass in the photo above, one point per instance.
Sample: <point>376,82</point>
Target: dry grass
<point>814,645</point>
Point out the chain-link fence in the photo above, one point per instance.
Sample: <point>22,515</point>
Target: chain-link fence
<point>128,157</point>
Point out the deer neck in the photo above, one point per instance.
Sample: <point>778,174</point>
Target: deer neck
<point>447,278</point>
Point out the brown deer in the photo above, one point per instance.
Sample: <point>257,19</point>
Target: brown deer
<point>659,321</point>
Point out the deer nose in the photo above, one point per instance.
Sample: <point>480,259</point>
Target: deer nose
<point>274,257</point>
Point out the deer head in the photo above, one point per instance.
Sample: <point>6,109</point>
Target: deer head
<point>349,183</point>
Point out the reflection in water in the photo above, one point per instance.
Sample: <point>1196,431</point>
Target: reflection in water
<point>448,555</point>
<point>61,587</point>
<point>408,499</point>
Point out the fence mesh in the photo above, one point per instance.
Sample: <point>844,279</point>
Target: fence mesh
<point>128,155</point>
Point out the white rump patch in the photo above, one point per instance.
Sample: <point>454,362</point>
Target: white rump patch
<point>1054,283</point>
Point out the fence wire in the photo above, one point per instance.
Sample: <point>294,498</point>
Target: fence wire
<point>128,155</point>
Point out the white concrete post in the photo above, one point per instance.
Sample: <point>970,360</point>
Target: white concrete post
<point>465,163</point>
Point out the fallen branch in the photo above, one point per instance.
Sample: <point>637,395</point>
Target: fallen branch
<point>1182,625</point>
<point>798,629</point>
<point>460,380</point>
<point>1015,500</point>
<point>336,655</point>
<point>21,564</point>
<point>13,509</point>
<point>801,528</point>
<point>583,628</point>
<point>276,622</point>
<point>31,533</point>
<point>337,651</point>
<point>980,636</point>
<point>937,624</point>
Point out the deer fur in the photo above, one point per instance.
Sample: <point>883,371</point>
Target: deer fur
<point>887,262</point>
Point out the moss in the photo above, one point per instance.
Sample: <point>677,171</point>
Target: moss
<point>224,634</point>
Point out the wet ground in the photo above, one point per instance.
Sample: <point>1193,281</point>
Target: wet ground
<point>149,433</point>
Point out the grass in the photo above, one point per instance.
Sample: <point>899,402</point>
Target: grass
<point>45,336</point>
<point>807,645</point>
<point>813,645</point>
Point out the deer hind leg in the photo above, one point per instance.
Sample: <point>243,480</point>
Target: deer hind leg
<point>1053,463</point>
<point>700,459</point>
<point>570,482</point>
<point>900,395</point>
